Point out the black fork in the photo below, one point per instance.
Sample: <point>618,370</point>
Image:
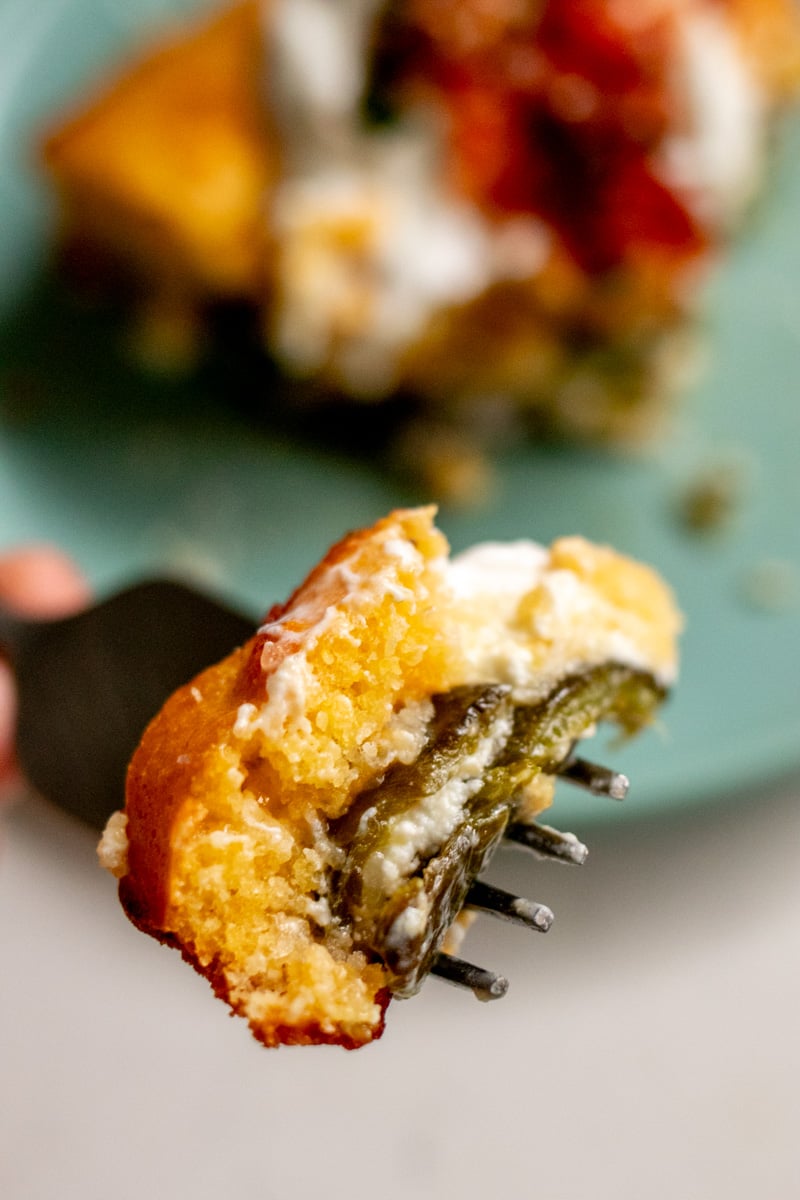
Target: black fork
<point>88,684</point>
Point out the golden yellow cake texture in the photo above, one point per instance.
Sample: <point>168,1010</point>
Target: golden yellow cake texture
<point>769,35</point>
<point>168,167</point>
<point>225,848</point>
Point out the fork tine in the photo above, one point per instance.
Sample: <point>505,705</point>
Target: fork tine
<point>485,984</point>
<point>546,842</point>
<point>600,781</point>
<point>530,913</point>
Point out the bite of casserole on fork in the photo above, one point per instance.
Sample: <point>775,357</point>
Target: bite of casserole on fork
<point>307,819</point>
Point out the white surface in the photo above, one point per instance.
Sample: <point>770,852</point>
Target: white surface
<point>648,1047</point>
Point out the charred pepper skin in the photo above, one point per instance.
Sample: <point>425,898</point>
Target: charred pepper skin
<point>404,926</point>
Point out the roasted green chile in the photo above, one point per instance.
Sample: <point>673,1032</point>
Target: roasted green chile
<point>417,840</point>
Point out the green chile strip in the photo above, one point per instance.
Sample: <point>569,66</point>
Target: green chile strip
<point>405,929</point>
<point>462,719</point>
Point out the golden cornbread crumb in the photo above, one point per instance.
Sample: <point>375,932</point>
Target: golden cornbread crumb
<point>169,167</point>
<point>350,663</point>
<point>638,601</point>
<point>113,848</point>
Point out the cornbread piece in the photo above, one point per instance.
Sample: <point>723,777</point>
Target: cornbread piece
<point>303,820</point>
<point>165,175</point>
<point>486,206</point>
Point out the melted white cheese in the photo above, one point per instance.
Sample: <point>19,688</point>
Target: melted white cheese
<point>569,628</point>
<point>370,242</point>
<point>717,159</point>
<point>428,824</point>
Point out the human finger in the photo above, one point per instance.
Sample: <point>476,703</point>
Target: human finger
<point>39,581</point>
<point>42,581</point>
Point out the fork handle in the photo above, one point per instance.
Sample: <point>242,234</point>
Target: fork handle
<point>15,632</point>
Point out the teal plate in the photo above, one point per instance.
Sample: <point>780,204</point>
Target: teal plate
<point>132,476</point>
